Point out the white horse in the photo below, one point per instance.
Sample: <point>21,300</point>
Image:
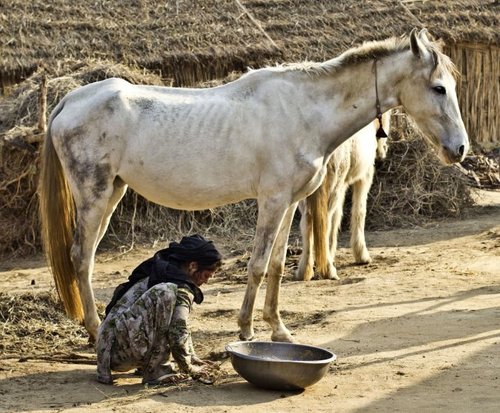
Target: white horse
<point>268,135</point>
<point>352,164</point>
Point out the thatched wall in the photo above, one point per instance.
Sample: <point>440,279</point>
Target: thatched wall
<point>479,90</point>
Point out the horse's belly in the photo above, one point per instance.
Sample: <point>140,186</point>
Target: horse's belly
<point>188,194</point>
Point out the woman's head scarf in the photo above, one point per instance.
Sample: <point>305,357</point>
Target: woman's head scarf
<point>193,248</point>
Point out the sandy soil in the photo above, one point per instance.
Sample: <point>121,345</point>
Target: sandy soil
<point>417,330</point>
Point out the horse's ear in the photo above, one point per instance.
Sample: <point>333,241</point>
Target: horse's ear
<point>415,44</point>
<point>422,35</point>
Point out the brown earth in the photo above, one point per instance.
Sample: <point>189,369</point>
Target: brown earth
<point>416,330</point>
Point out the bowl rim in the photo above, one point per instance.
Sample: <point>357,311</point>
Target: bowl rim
<point>306,346</point>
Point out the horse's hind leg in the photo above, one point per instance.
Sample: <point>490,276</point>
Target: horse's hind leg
<point>119,189</point>
<point>360,191</point>
<point>94,209</point>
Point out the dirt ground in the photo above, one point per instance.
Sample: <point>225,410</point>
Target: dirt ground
<point>416,330</point>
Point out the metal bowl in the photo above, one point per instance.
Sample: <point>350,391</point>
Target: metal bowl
<point>280,366</point>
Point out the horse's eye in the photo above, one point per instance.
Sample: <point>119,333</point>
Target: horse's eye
<point>440,89</point>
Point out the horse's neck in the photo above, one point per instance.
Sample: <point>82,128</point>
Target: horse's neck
<point>354,96</point>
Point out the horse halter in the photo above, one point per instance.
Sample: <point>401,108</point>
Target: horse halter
<point>380,131</point>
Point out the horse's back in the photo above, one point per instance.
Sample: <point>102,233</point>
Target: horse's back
<point>88,103</point>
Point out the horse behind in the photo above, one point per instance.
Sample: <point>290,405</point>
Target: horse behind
<point>351,164</point>
<point>268,135</point>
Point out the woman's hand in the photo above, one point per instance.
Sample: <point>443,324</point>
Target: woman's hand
<point>196,361</point>
<point>206,372</point>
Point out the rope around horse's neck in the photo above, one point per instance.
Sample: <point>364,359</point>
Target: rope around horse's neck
<point>380,131</point>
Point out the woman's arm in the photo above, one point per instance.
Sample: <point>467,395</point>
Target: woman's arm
<point>179,335</point>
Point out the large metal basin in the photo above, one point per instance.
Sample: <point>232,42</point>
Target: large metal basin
<point>280,366</point>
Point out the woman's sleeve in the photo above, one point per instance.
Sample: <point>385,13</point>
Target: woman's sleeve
<point>179,335</point>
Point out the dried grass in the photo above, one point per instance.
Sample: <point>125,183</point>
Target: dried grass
<point>20,108</point>
<point>211,35</point>
<point>35,323</point>
<point>18,203</point>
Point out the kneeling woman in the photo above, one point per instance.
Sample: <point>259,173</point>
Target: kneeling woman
<point>147,319</point>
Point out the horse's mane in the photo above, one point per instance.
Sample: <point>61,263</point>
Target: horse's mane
<point>368,51</point>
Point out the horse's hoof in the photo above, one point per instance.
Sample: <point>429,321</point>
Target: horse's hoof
<point>92,329</point>
<point>243,337</point>
<point>331,274</point>
<point>282,337</point>
<point>303,276</point>
<point>363,259</point>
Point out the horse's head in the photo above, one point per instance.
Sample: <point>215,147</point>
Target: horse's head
<point>428,94</point>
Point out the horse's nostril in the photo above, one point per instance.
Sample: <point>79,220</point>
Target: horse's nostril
<point>461,150</point>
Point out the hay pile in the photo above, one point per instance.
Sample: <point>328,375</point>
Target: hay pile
<point>20,109</point>
<point>411,186</point>
<point>35,323</point>
<point>18,202</point>
<point>483,170</point>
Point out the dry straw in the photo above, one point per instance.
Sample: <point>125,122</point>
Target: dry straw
<point>34,323</point>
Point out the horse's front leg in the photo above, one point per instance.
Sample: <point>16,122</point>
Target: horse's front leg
<point>271,213</point>
<point>274,274</point>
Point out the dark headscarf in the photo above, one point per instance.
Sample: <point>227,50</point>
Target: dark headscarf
<point>192,248</point>
<point>165,265</point>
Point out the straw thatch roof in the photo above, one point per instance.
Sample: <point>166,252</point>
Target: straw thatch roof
<point>215,37</point>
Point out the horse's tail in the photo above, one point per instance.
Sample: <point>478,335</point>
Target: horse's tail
<point>57,218</point>
<point>317,205</point>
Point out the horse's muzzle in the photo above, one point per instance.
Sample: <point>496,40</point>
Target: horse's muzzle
<point>453,155</point>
